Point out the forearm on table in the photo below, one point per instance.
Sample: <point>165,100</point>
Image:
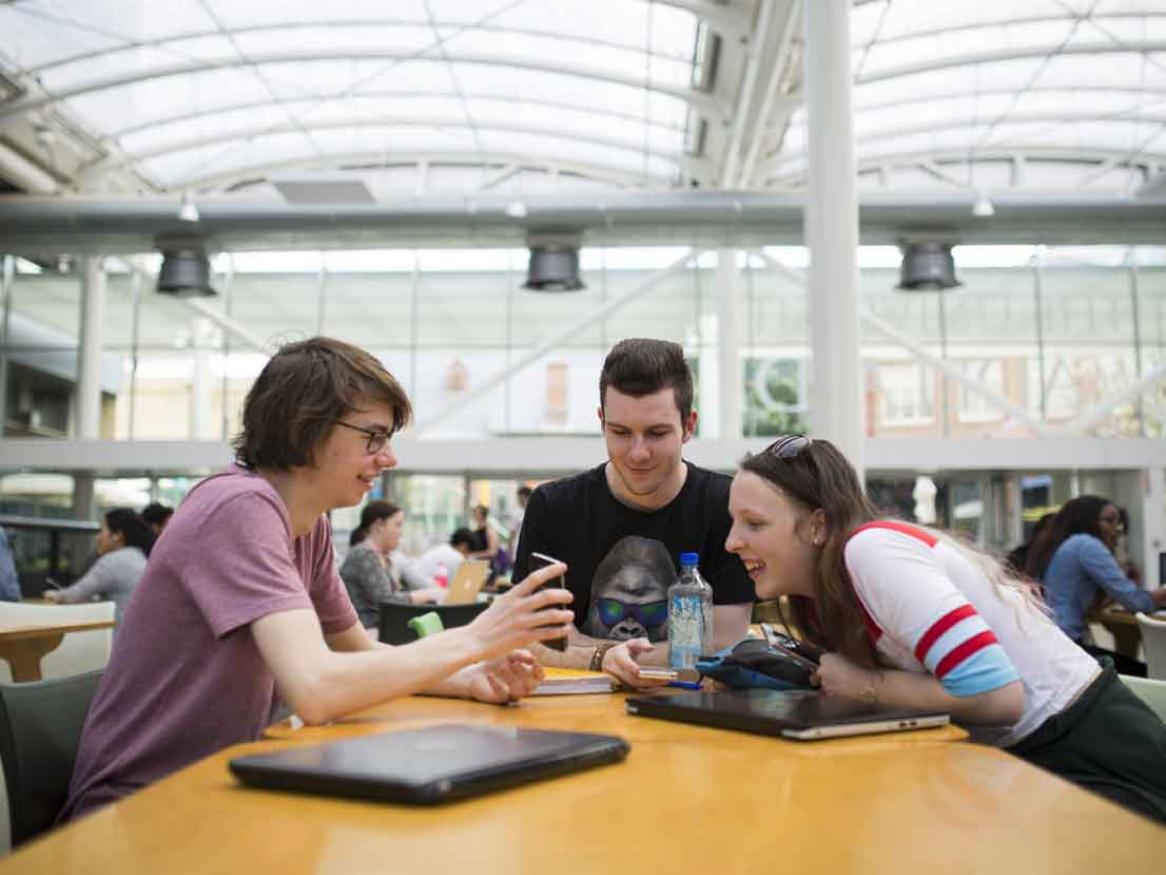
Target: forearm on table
<point>321,684</point>
<point>923,692</point>
<point>581,650</point>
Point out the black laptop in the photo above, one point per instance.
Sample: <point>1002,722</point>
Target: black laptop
<point>429,765</point>
<point>800,714</point>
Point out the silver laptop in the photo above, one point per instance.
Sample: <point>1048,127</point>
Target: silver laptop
<point>429,765</point>
<point>800,714</point>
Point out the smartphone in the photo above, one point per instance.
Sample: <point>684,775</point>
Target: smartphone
<point>542,560</point>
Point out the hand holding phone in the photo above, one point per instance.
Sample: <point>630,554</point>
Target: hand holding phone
<point>541,560</point>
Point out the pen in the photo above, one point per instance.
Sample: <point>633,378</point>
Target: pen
<point>685,685</point>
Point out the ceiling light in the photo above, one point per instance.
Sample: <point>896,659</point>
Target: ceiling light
<point>927,265</point>
<point>983,207</point>
<point>186,269</point>
<point>187,211</point>
<point>516,210</point>
<point>554,266</point>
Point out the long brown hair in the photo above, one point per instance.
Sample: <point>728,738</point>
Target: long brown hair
<point>816,477</point>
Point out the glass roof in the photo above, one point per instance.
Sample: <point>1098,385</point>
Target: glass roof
<point>133,95</point>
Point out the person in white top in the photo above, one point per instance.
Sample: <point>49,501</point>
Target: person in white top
<point>123,543</point>
<point>420,573</point>
<point>913,618</point>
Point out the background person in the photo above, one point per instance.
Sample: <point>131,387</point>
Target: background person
<point>123,544</point>
<point>1076,565</point>
<point>422,571</point>
<point>916,619</point>
<point>367,571</point>
<point>156,516</point>
<point>241,596</point>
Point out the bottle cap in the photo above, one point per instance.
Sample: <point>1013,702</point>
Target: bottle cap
<point>689,560</point>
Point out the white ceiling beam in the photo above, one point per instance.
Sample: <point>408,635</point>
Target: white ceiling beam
<point>507,172</point>
<point>756,54</point>
<point>699,100</point>
<point>301,104</point>
<point>775,109</point>
<point>455,121</point>
<point>620,176</point>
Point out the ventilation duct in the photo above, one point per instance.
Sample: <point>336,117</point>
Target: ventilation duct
<point>927,265</point>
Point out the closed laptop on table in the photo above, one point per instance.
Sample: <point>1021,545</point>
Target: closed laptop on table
<point>799,714</point>
<point>429,765</point>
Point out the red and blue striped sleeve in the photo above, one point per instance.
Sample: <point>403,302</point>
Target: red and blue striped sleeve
<point>904,589</point>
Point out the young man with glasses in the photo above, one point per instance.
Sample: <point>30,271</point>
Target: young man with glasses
<point>620,527</point>
<point>241,596</point>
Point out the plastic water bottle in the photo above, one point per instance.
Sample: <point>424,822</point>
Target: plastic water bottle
<point>441,576</point>
<point>690,615</point>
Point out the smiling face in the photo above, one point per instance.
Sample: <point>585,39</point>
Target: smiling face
<point>343,470</point>
<point>773,536</point>
<point>645,437</point>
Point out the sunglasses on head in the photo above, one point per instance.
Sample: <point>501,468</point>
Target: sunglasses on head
<point>648,614</point>
<point>788,446</point>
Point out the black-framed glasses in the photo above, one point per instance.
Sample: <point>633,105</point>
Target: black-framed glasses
<point>376,438</point>
<point>788,447</point>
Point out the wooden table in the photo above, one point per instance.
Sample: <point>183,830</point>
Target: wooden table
<point>23,644</point>
<point>1123,625</point>
<point>687,799</point>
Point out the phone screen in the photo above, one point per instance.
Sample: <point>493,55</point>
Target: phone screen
<point>541,560</point>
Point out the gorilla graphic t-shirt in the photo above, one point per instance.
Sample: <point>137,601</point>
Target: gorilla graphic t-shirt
<point>621,561</point>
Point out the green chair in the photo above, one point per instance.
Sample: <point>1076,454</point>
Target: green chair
<point>394,628</point>
<point>40,729</point>
<point>1153,693</point>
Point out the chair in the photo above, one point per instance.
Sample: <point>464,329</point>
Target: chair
<point>40,728</point>
<point>1153,693</point>
<point>1154,643</point>
<point>393,627</point>
<point>79,651</point>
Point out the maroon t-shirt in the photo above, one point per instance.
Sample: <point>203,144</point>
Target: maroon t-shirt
<point>186,678</point>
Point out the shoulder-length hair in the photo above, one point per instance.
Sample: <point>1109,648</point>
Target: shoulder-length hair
<point>300,394</point>
<point>1080,515</point>
<point>819,476</point>
<point>131,527</point>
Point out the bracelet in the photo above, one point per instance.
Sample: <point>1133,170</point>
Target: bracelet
<point>597,656</point>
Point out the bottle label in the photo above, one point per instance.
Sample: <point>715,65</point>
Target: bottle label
<point>685,630</point>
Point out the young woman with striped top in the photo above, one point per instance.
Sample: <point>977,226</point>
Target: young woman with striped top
<point>913,618</point>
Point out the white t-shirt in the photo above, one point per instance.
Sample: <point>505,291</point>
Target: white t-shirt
<point>425,565</point>
<point>930,609</point>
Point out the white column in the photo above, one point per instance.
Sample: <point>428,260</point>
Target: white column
<point>89,352</point>
<point>202,332</point>
<point>1153,525</point>
<point>729,343</point>
<point>832,228</point>
<point>709,375</point>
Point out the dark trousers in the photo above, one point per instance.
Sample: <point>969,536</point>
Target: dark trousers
<point>1108,741</point>
<point>1123,664</point>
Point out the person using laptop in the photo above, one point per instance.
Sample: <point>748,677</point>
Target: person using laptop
<point>621,526</point>
<point>914,618</point>
<point>241,597</point>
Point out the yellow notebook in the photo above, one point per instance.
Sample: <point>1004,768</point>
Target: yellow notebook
<point>572,681</point>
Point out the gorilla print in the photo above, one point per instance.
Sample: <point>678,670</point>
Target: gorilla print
<point>629,593</point>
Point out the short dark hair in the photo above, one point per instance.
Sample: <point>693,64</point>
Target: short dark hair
<point>641,366</point>
<point>155,514</point>
<point>524,491</point>
<point>300,394</point>
<point>461,536</point>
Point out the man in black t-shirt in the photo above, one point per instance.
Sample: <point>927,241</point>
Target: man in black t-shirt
<point>621,527</point>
